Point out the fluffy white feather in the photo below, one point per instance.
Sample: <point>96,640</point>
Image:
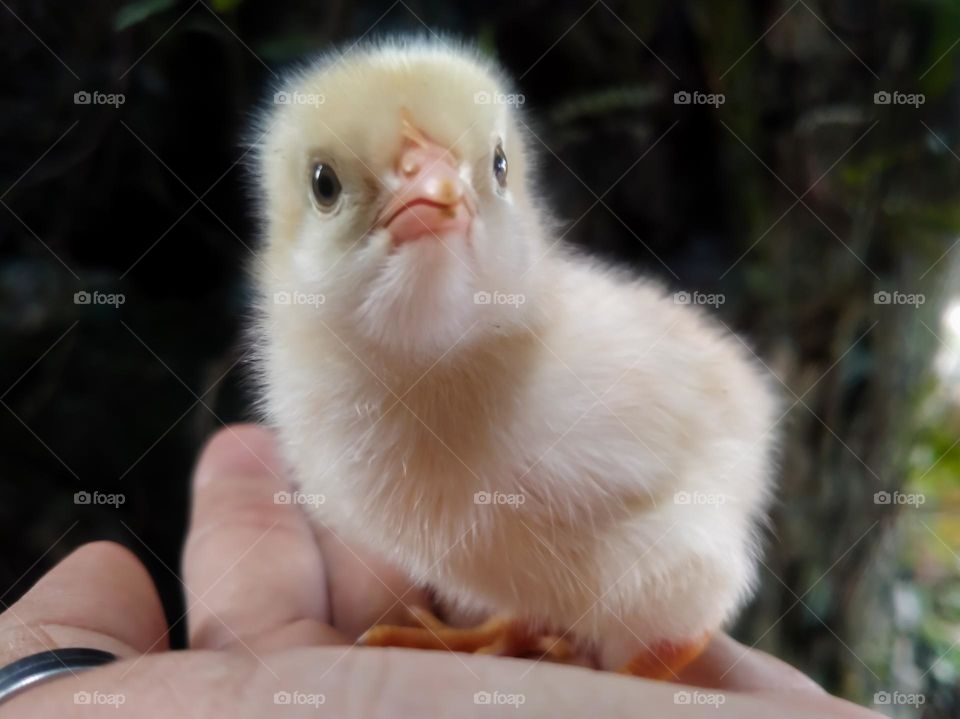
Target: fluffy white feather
<point>622,439</point>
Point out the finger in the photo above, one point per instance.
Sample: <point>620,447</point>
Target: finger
<point>728,664</point>
<point>364,589</point>
<point>252,567</point>
<point>100,597</point>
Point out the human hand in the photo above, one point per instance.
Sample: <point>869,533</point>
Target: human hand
<point>274,609</point>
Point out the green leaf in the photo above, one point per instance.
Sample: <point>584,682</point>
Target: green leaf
<point>138,11</point>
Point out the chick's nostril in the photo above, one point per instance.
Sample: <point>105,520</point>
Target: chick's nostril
<point>409,166</point>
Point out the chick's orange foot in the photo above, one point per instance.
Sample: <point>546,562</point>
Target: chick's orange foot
<point>665,660</point>
<point>498,635</point>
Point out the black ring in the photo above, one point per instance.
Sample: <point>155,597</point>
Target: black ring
<point>24,673</point>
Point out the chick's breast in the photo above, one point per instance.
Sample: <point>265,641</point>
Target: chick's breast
<point>606,477</point>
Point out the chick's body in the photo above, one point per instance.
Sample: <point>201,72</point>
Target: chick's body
<point>524,431</point>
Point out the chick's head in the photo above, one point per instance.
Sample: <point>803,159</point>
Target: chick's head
<point>394,191</point>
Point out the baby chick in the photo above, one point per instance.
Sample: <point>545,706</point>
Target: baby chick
<point>529,433</point>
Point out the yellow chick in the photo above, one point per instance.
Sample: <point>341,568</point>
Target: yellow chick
<point>527,432</point>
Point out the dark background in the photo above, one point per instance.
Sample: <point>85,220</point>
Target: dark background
<point>797,199</point>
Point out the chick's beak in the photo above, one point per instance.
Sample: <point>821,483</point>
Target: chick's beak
<point>431,200</point>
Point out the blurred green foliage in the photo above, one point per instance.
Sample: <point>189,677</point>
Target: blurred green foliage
<point>135,12</point>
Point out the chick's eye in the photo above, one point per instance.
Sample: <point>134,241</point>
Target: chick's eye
<point>326,185</point>
<point>500,166</point>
